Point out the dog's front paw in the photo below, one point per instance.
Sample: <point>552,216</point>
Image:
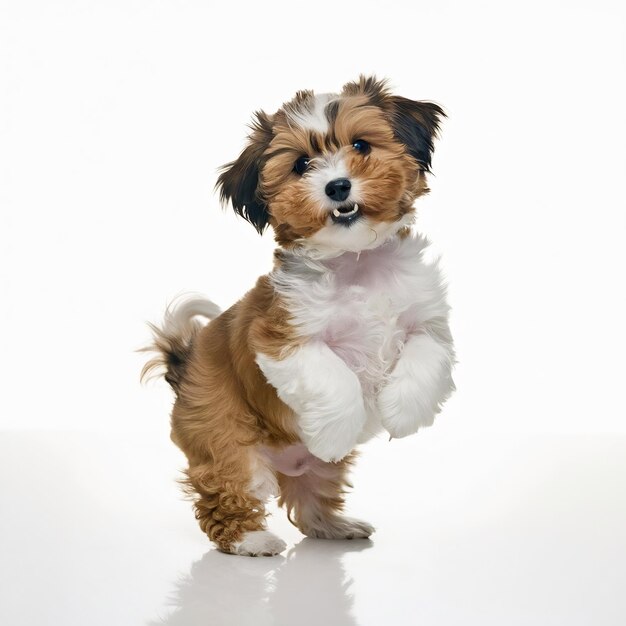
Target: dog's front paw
<point>402,410</point>
<point>332,435</point>
<point>418,386</point>
<point>324,394</point>
<point>329,451</point>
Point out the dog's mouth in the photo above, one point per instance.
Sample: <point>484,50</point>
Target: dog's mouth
<point>347,214</point>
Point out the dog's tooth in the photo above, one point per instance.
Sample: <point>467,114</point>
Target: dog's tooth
<point>352,211</point>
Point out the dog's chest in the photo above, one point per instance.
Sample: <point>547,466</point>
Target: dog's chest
<point>362,327</point>
<point>360,306</point>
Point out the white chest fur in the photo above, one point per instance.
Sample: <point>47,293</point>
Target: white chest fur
<point>359,313</point>
<point>364,306</point>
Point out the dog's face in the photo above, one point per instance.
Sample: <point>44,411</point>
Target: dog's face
<point>334,172</point>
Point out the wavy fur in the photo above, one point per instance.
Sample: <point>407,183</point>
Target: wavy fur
<point>173,340</point>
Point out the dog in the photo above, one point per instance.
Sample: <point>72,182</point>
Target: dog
<point>346,337</point>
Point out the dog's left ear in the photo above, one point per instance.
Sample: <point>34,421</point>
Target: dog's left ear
<point>415,124</point>
<point>239,180</point>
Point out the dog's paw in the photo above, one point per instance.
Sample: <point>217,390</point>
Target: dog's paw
<point>338,527</point>
<point>332,442</point>
<point>418,386</point>
<point>403,410</point>
<point>258,543</point>
<point>332,420</point>
<point>332,435</point>
<point>324,394</point>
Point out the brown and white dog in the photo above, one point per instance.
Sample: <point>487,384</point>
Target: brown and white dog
<point>347,336</point>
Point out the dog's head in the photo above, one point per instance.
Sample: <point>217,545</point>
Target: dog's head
<point>334,172</point>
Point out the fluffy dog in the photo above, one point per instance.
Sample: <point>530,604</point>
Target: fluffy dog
<point>347,336</point>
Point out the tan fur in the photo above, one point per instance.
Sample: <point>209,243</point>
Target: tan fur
<point>318,494</point>
<point>225,407</point>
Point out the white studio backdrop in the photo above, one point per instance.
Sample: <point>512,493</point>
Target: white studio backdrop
<point>115,115</point>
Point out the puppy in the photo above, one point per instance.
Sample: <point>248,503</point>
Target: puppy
<point>347,336</point>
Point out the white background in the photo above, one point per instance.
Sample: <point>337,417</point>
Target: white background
<point>114,117</point>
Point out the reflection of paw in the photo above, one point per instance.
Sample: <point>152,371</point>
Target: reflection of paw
<point>337,527</point>
<point>259,543</point>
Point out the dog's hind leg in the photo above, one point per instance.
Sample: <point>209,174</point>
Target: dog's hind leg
<point>229,504</point>
<point>314,501</point>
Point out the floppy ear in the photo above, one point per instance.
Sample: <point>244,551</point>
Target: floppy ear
<point>239,180</point>
<point>415,124</point>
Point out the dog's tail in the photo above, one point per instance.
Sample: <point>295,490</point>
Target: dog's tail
<point>173,340</point>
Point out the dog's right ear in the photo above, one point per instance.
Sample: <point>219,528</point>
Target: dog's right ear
<point>239,180</point>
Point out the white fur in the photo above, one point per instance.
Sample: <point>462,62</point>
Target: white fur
<point>361,312</point>
<point>325,395</point>
<point>314,118</point>
<point>420,382</point>
<point>180,313</point>
<point>263,483</point>
<point>259,543</point>
<point>363,234</point>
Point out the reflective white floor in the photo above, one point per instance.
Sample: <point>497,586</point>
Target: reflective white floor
<point>485,531</point>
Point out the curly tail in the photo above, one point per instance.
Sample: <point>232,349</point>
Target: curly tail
<point>173,340</point>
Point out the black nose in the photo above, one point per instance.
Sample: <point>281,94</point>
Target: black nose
<point>338,189</point>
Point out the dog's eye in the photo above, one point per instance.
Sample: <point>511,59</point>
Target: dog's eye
<point>301,165</point>
<point>360,145</point>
